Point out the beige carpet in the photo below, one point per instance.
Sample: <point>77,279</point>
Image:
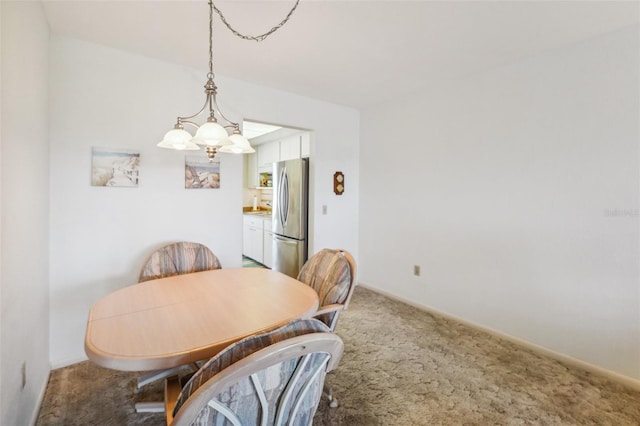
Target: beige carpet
<point>401,366</point>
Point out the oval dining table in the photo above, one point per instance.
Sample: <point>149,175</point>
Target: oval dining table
<point>178,320</point>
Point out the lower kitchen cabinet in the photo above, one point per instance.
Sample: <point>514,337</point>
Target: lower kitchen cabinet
<point>252,238</point>
<point>267,244</point>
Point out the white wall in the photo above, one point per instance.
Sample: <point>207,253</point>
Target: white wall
<point>516,191</point>
<point>334,146</point>
<point>101,236</point>
<point>24,253</point>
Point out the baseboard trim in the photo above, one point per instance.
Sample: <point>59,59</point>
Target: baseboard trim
<point>558,356</point>
<point>36,409</point>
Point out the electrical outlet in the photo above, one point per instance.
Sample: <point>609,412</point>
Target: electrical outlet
<point>324,209</point>
<point>23,374</point>
<point>416,270</point>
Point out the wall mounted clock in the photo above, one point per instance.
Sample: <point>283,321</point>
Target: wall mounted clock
<point>338,183</point>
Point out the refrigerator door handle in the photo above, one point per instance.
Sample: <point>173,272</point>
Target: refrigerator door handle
<point>280,205</point>
<point>284,197</point>
<point>285,182</point>
<point>285,240</point>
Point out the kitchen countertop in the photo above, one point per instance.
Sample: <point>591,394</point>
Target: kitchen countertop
<point>260,213</point>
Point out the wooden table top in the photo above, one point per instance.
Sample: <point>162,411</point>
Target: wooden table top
<point>173,321</point>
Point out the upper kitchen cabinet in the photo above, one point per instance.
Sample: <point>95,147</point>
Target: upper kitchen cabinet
<point>251,177</point>
<point>286,148</point>
<point>268,153</point>
<point>290,148</point>
<point>305,145</point>
<point>297,146</point>
<point>273,143</point>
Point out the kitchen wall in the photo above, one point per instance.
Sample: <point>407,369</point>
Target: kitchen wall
<point>101,236</point>
<point>24,212</point>
<point>516,191</point>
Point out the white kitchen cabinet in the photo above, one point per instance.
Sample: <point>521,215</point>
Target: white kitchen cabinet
<point>268,153</point>
<point>290,148</point>
<point>251,171</point>
<point>252,238</point>
<point>267,248</point>
<point>305,145</point>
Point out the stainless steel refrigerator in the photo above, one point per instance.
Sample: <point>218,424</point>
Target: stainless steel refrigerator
<point>290,213</point>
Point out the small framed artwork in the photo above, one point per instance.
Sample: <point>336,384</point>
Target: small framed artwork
<point>114,167</point>
<point>199,173</point>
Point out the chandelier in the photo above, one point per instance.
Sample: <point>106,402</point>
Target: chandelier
<point>212,135</point>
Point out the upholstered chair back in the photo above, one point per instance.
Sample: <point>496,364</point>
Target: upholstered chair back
<point>275,378</point>
<point>178,258</point>
<point>331,273</point>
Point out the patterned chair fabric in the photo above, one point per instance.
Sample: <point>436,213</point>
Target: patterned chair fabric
<point>330,274</point>
<point>178,258</point>
<point>241,400</point>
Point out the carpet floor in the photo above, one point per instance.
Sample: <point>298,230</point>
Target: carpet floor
<point>401,366</point>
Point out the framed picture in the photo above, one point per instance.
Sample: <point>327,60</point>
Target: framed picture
<point>114,167</point>
<point>199,173</point>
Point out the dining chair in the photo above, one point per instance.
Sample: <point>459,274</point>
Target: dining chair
<point>332,274</point>
<point>274,378</point>
<point>177,258</point>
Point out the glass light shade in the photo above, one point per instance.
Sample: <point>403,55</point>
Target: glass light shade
<point>240,145</point>
<point>178,139</point>
<point>211,134</point>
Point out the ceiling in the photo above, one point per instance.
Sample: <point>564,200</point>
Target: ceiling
<point>353,53</point>
<point>252,129</point>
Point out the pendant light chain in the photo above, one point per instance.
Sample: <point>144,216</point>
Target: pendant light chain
<point>260,37</point>
<point>214,137</point>
<point>211,39</point>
